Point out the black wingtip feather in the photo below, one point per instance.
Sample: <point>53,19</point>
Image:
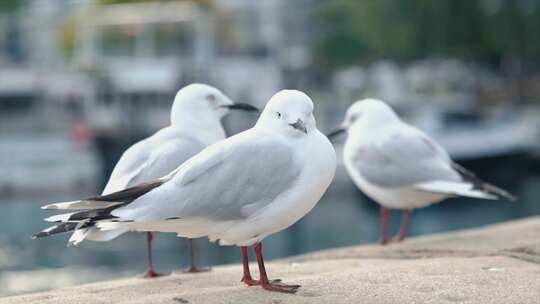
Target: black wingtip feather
<point>130,194</point>
<point>88,218</point>
<point>62,228</point>
<point>479,184</point>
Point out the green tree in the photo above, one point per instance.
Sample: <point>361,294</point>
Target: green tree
<point>357,31</point>
<point>8,6</point>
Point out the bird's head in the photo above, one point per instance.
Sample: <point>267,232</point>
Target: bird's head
<point>290,113</point>
<point>372,112</point>
<point>204,101</point>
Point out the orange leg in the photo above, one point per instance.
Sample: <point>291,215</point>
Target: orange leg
<point>403,226</point>
<point>192,268</point>
<point>150,273</point>
<point>384,221</point>
<point>246,278</point>
<point>274,285</point>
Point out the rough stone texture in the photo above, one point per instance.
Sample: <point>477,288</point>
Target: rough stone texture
<point>519,239</point>
<point>495,264</point>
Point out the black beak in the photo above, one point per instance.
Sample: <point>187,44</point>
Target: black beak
<point>335,133</point>
<point>242,107</point>
<point>299,125</point>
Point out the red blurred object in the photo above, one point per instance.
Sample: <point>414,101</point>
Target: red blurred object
<point>80,134</point>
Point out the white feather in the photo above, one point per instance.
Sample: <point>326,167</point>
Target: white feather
<point>77,237</point>
<point>108,226</point>
<point>104,236</point>
<point>59,217</point>
<point>79,205</point>
<point>453,189</point>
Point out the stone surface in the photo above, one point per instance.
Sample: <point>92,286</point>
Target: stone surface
<point>519,239</point>
<point>495,264</point>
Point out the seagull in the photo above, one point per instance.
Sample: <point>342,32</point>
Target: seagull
<point>238,191</point>
<point>195,124</point>
<point>400,167</point>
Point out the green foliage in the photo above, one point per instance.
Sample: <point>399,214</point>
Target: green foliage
<point>8,6</point>
<point>105,2</point>
<point>357,31</point>
<point>66,35</point>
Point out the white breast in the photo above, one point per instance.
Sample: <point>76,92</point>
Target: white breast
<point>319,159</point>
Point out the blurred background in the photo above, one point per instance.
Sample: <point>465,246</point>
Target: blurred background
<point>82,80</point>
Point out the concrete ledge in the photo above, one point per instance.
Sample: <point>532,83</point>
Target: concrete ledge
<point>495,264</point>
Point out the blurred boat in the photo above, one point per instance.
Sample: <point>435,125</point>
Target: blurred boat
<point>46,163</point>
<point>45,145</point>
<point>468,134</point>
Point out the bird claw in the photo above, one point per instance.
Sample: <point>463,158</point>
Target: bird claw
<point>278,286</point>
<point>252,282</point>
<point>194,269</point>
<point>150,274</point>
<point>384,241</point>
<point>398,239</point>
<point>395,239</point>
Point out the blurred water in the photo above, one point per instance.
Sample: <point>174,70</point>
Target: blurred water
<point>344,217</point>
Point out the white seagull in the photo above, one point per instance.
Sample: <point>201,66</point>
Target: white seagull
<point>195,123</point>
<point>400,167</point>
<point>238,191</point>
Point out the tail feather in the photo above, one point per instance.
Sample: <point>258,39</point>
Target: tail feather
<point>454,189</point>
<point>501,193</point>
<point>59,218</point>
<point>94,210</point>
<point>480,185</point>
<point>122,197</point>
<point>78,236</point>
<point>114,225</point>
<point>91,214</point>
<point>62,228</point>
<point>80,205</point>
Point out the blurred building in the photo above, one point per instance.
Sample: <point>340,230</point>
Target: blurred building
<point>136,55</point>
<point>115,68</point>
<point>107,73</point>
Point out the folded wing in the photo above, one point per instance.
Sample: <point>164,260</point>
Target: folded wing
<point>228,181</point>
<point>409,158</point>
<point>403,158</point>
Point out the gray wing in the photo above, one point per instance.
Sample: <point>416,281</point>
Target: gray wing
<point>151,158</point>
<point>224,182</point>
<point>403,157</point>
<point>166,158</point>
<point>128,166</point>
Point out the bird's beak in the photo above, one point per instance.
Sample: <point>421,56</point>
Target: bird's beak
<point>241,106</point>
<point>299,125</point>
<point>335,133</point>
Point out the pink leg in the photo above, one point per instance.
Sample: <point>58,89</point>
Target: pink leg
<point>150,273</point>
<point>192,268</point>
<point>384,220</point>
<point>274,285</point>
<point>403,225</point>
<point>246,278</point>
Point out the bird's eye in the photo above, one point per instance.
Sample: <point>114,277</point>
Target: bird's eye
<point>278,115</point>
